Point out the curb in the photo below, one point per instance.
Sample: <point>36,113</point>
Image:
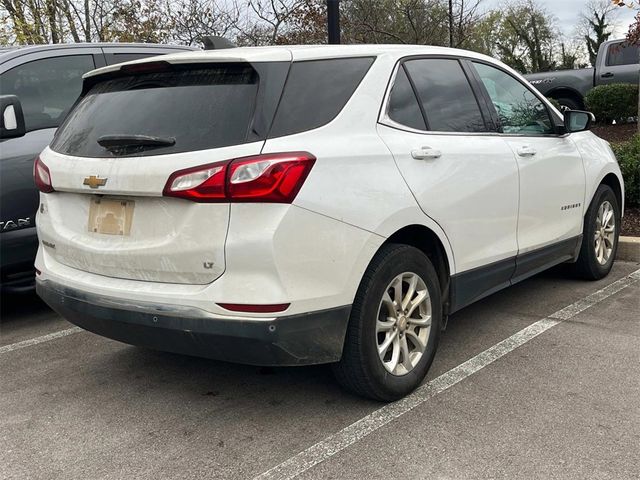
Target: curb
<point>629,249</point>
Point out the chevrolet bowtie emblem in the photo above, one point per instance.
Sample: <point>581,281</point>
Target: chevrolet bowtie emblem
<point>94,182</point>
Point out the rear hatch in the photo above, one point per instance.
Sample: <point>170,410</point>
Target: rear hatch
<point>112,158</point>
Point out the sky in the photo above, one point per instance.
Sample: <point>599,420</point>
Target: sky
<point>568,12</point>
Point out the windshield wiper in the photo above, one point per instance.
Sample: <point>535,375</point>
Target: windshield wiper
<point>137,142</point>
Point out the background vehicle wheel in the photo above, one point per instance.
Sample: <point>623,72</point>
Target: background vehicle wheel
<point>394,327</point>
<point>600,235</point>
<point>570,103</point>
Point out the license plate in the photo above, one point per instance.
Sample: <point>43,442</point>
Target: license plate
<point>110,217</point>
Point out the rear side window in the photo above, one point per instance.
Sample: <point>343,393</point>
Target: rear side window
<point>623,54</point>
<point>194,107</point>
<point>316,91</point>
<point>447,99</point>
<point>403,104</point>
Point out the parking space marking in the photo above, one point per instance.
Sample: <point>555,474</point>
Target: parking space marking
<point>35,341</point>
<point>358,430</point>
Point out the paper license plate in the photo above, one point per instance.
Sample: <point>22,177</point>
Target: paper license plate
<point>111,217</point>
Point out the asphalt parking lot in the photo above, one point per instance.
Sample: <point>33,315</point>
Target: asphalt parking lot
<point>550,389</point>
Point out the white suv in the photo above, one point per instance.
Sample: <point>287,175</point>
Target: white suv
<point>325,204</point>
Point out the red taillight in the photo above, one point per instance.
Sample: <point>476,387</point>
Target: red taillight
<point>42,176</point>
<point>205,183</point>
<point>239,307</point>
<point>274,177</point>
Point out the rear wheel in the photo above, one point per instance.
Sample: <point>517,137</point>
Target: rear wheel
<point>394,326</point>
<point>600,235</point>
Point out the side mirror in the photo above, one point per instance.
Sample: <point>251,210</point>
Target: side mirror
<point>577,120</point>
<point>11,117</point>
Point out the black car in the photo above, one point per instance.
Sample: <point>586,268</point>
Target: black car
<point>40,84</point>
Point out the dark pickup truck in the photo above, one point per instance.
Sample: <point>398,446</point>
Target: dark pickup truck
<point>38,86</point>
<point>617,62</point>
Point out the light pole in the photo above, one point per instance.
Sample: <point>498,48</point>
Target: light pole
<point>333,21</point>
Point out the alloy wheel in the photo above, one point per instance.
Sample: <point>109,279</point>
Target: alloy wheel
<point>404,323</point>
<point>605,233</point>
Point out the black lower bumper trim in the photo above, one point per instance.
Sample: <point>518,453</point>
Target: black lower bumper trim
<point>305,339</point>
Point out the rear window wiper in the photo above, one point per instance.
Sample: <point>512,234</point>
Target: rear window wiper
<point>131,143</point>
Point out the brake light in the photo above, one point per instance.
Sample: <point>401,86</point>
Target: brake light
<point>147,67</point>
<point>275,178</point>
<point>42,176</point>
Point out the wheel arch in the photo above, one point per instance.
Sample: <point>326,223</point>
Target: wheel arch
<point>428,242</point>
<point>612,181</point>
<point>566,92</point>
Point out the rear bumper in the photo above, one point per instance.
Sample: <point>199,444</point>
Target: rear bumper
<point>302,339</point>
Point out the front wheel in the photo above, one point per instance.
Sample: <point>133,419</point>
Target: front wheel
<point>600,235</point>
<point>394,326</point>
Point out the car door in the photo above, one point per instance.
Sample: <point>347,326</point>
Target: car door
<point>619,63</point>
<point>462,175</point>
<point>551,173</point>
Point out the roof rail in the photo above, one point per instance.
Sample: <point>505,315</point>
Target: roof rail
<point>215,42</point>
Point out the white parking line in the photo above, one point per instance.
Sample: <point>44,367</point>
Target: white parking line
<point>37,340</point>
<point>355,432</point>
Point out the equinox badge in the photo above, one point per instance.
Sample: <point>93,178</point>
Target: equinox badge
<point>94,182</point>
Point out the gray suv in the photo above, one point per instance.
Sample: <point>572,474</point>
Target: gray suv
<point>38,87</point>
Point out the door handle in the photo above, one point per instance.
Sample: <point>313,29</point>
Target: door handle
<point>526,151</point>
<point>425,153</point>
<point>607,75</point>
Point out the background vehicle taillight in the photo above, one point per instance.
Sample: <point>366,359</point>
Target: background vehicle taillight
<point>275,178</point>
<point>42,176</point>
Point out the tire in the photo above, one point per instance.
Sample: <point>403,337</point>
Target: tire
<point>361,369</point>
<point>589,265</point>
<point>570,103</point>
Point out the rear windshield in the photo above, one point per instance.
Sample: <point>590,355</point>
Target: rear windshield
<point>188,108</point>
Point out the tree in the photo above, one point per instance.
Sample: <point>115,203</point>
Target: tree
<point>306,25</point>
<point>193,19</point>
<point>421,22</point>
<point>523,35</point>
<point>465,17</point>
<point>56,21</point>
<point>595,25</point>
<point>266,20</point>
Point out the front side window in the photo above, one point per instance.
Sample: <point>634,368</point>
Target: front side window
<point>46,88</point>
<point>446,95</point>
<point>623,54</point>
<point>518,109</point>
<point>403,104</point>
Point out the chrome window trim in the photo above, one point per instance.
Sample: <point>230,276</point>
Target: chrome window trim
<point>384,119</point>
